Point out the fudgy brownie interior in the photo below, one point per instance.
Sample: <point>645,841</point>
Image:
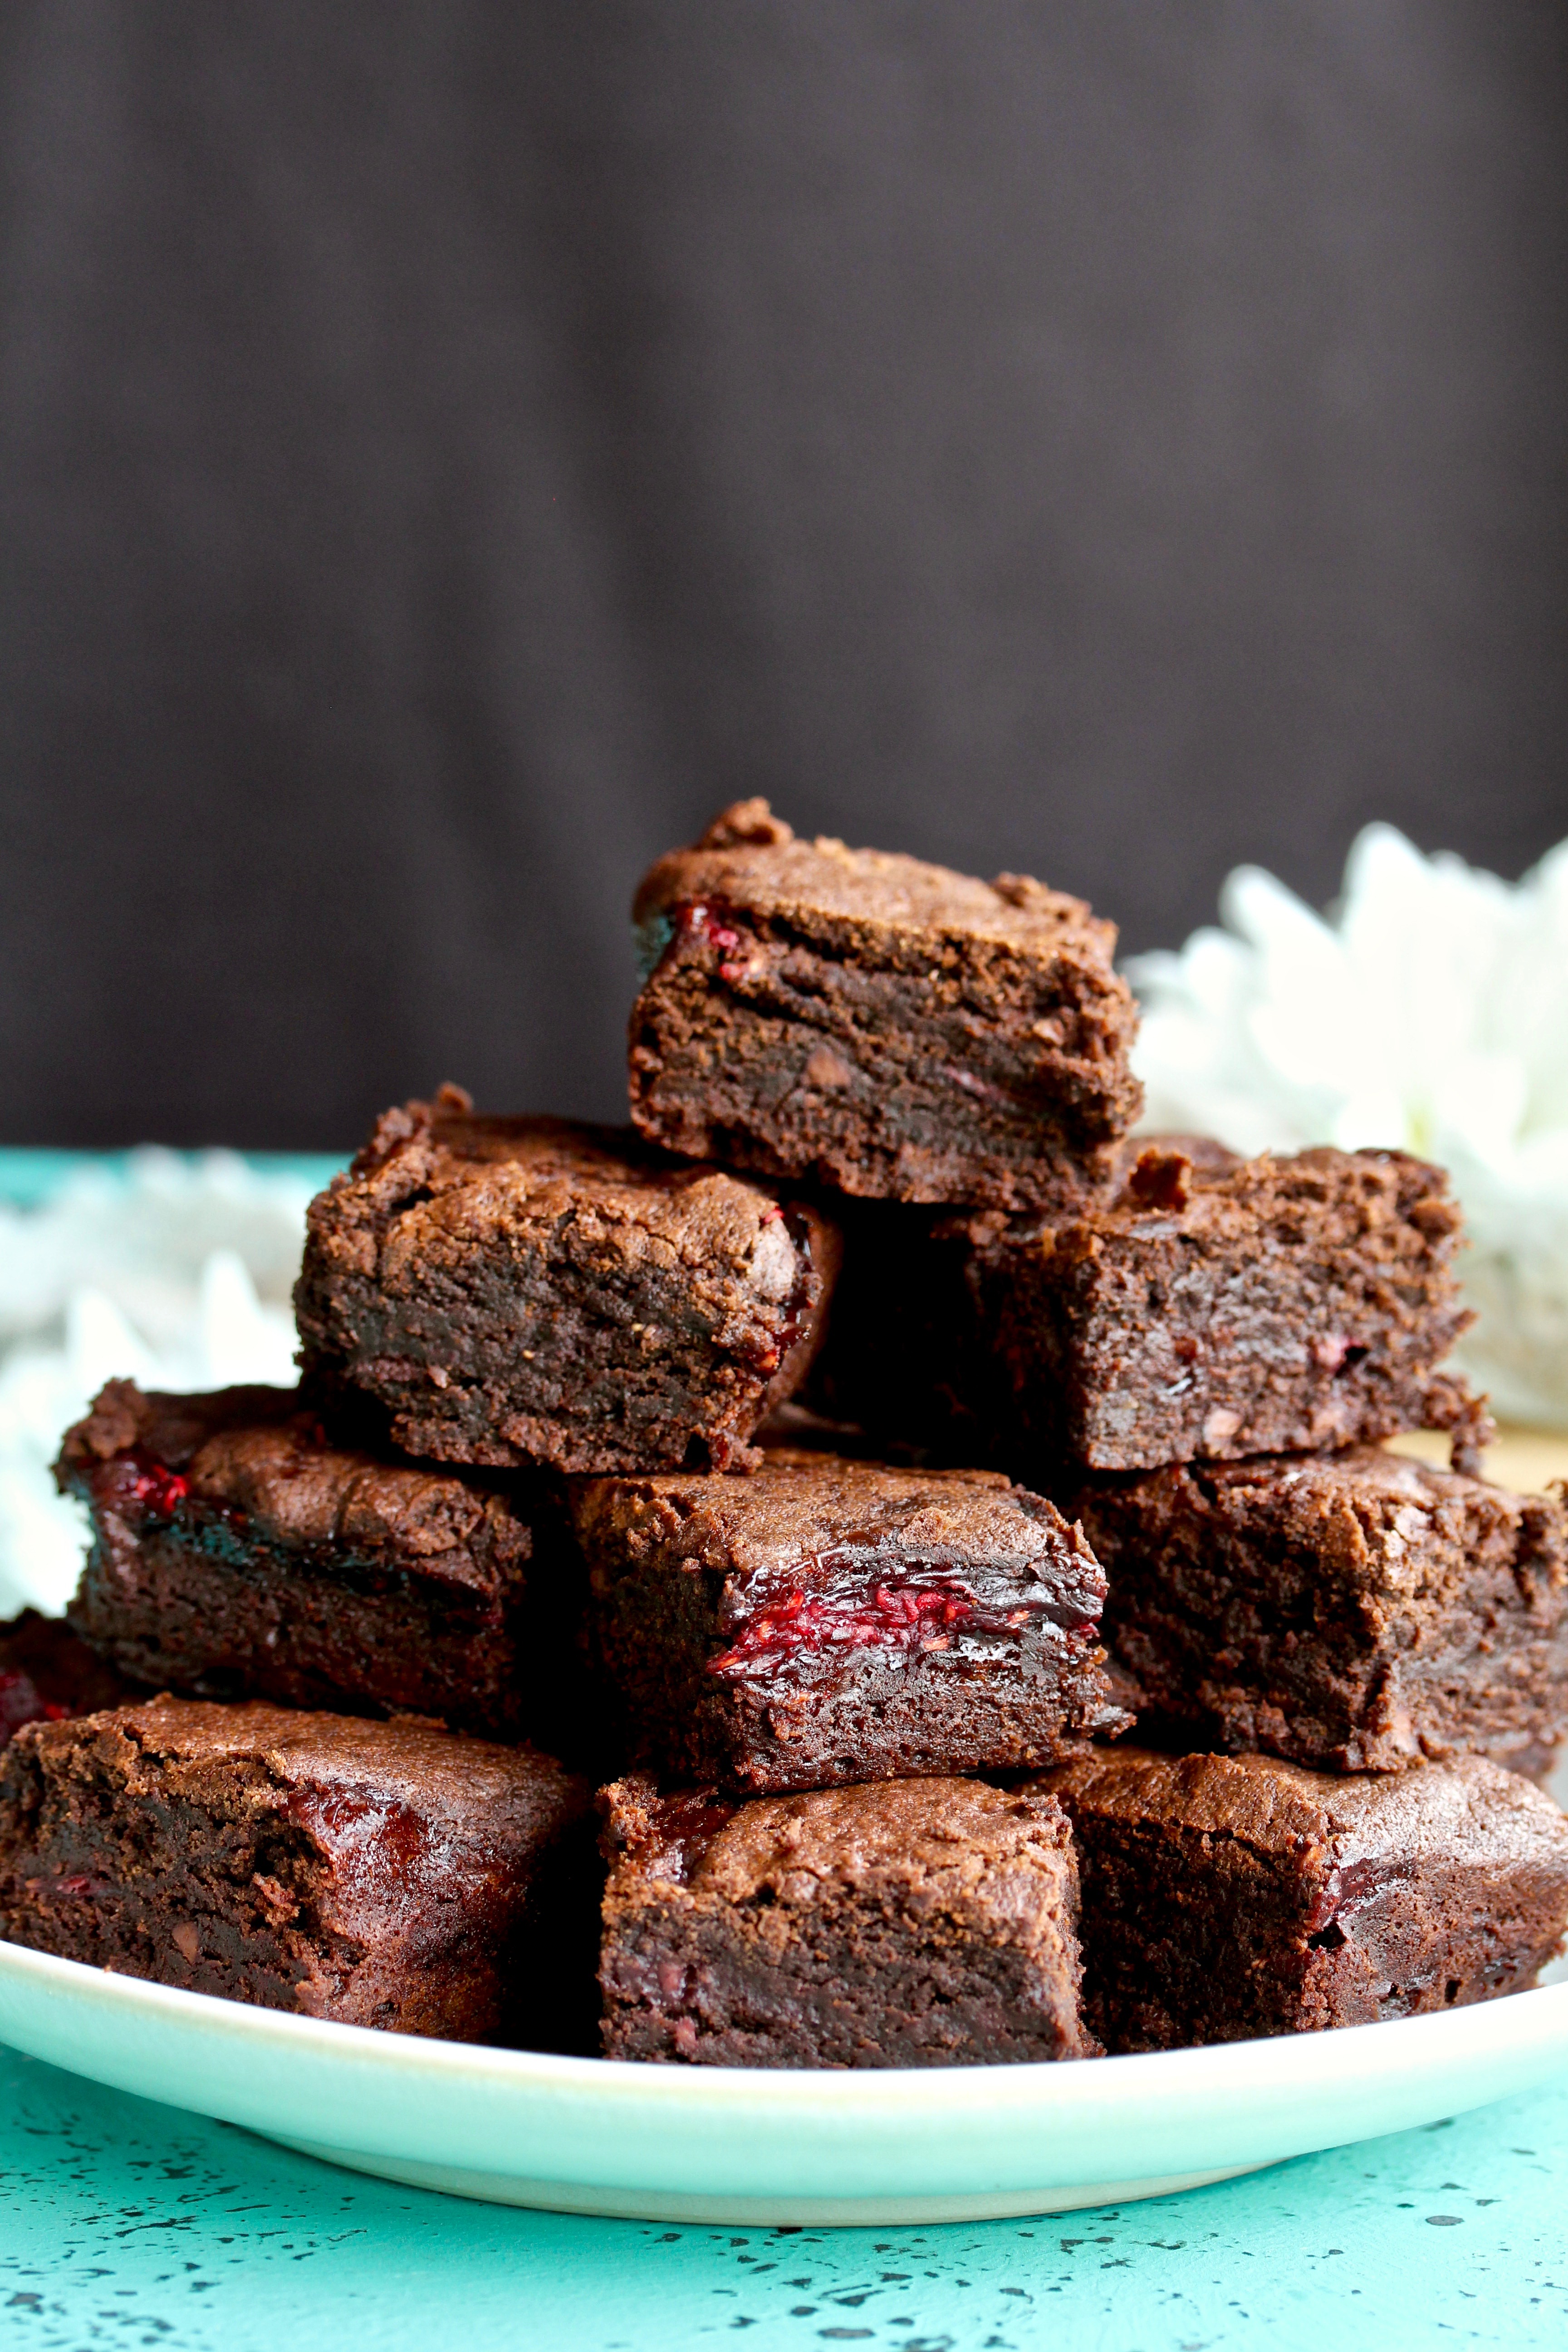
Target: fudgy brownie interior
<point>377,1873</point>
<point>237,1552</point>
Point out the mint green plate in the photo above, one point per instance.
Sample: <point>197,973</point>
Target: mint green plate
<point>731,2144</point>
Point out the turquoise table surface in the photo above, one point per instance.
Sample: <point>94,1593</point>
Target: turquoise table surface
<point>123,2224</point>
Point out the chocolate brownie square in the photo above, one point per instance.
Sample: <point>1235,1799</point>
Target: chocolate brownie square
<point>1227,1896</point>
<point>1198,1307</point>
<point>829,1621</point>
<point>47,1672</point>
<point>377,1873</point>
<point>1348,1610</point>
<point>882,1025</point>
<point>910,1923</point>
<point>505,1291</point>
<point>237,1553</point>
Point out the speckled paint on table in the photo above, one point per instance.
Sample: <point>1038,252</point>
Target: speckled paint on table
<point>126,2224</point>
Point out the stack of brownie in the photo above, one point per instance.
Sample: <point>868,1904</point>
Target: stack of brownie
<point>844,1466</point>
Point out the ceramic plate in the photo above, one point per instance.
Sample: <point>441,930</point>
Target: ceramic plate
<point>730,2143</point>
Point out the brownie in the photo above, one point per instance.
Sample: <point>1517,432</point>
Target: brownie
<point>882,1025</point>
<point>236,1553</point>
<point>1226,1897</point>
<point>908,1923</point>
<point>1199,1308</point>
<point>47,1672</point>
<point>505,1291</point>
<point>1348,1610</point>
<point>377,1873</point>
<point>828,1621</point>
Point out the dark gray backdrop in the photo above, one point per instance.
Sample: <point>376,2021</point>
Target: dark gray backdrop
<point>445,450</point>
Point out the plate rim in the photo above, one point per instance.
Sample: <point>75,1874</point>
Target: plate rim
<point>1067,2082</point>
<point>750,2145</point>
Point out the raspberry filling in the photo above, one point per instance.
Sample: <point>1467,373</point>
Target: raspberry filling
<point>697,921</point>
<point>139,1481</point>
<point>917,1614</point>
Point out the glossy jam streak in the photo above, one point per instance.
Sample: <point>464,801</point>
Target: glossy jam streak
<point>893,1615</point>
<point>680,1828</point>
<point>858,1595</point>
<point>144,1489</point>
<point>1345,1890</point>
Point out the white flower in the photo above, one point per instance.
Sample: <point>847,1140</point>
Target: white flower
<point>175,1273</point>
<point>1428,1011</point>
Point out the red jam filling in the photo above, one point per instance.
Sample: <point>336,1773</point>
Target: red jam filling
<point>139,1481</point>
<point>697,921</point>
<point>159,1490</point>
<point>896,1616</point>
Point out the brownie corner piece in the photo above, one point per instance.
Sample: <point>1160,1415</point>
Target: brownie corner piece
<point>908,1923</point>
<point>507,1291</point>
<point>375,1873</point>
<point>1354,1612</point>
<point>828,1621</point>
<point>1230,1897</point>
<point>1215,1308</point>
<point>878,1025</point>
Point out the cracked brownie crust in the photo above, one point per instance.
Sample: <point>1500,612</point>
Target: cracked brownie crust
<point>510,1291</point>
<point>882,1026</point>
<point>914,1923</point>
<point>829,1621</point>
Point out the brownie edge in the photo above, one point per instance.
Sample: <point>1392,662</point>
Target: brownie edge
<point>1353,1612</point>
<point>238,1553</point>
<point>830,1621</point>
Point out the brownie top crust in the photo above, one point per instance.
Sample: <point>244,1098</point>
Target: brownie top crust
<point>1378,1513</point>
<point>750,858</point>
<point>1468,1810</point>
<point>1191,1185</point>
<point>457,1786</point>
<point>955,1835</point>
<point>256,1451</point>
<point>512,1292</point>
<point>801,1503</point>
<point>442,1168</point>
